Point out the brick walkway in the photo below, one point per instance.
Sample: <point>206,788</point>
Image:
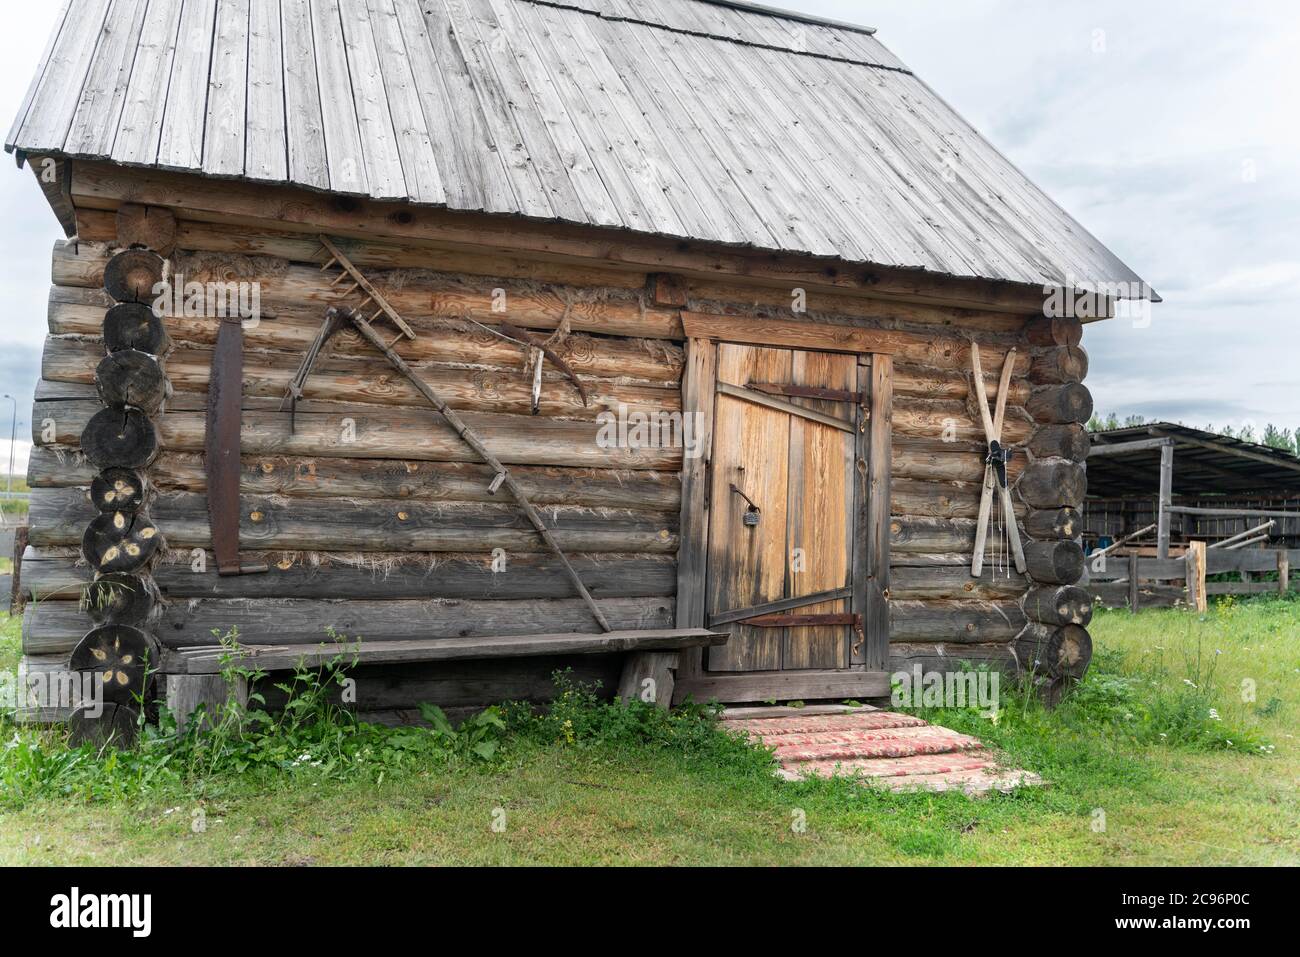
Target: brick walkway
<point>885,749</point>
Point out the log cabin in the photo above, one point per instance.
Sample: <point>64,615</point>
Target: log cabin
<point>695,346</point>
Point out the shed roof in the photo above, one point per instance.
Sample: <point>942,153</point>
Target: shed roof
<point>712,121</point>
<point>1205,464</point>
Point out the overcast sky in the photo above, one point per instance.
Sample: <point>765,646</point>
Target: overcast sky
<point>1171,130</point>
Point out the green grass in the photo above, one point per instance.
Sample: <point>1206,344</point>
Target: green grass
<point>1137,743</point>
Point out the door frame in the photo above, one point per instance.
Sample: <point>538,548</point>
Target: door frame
<point>867,677</point>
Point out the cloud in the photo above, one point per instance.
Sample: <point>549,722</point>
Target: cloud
<point>1170,131</point>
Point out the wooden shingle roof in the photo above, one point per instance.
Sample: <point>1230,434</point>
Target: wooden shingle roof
<point>708,121</point>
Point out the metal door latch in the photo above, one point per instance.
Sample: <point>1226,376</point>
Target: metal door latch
<point>751,516</point>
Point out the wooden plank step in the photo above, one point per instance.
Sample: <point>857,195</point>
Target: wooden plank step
<point>902,743</point>
<point>815,724</point>
<point>973,781</point>
<point>890,767</point>
<point>213,659</point>
<point>749,713</point>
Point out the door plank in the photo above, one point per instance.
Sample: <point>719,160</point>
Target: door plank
<point>875,476</point>
<point>820,511</point>
<point>698,379</point>
<point>747,564</point>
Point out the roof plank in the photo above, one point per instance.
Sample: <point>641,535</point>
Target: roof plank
<point>55,100</point>
<point>306,153</point>
<point>472,175</point>
<point>266,156</point>
<point>94,125</point>
<point>181,144</point>
<point>414,144</point>
<point>486,96</point>
<point>374,116</point>
<point>140,125</point>
<point>347,162</point>
<point>225,128</point>
<point>59,22</point>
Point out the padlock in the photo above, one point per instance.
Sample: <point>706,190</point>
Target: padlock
<point>750,518</point>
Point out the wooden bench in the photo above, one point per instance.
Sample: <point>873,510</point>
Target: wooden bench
<point>193,675</point>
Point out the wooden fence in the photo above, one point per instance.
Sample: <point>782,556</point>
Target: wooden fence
<point>1163,582</point>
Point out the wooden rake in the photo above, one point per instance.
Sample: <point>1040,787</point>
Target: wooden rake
<point>995,464</point>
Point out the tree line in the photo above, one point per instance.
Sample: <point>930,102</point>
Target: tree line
<point>1272,436</point>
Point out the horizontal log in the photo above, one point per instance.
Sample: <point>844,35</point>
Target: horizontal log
<point>1116,568</point>
<point>367,432</point>
<point>110,438</point>
<point>1053,523</point>
<point>713,295</point>
<point>1060,404</point>
<point>1068,442</point>
<point>215,660</point>
<point>949,465</point>
<point>914,533</point>
<point>53,575</point>
<point>954,621</point>
<point>97,225</point>
<point>1150,595</point>
<point>1054,563</point>
<point>947,658</point>
<point>1053,483</point>
<point>1058,605</point>
<point>955,582</point>
<point>131,275</point>
<point>384,478</point>
<point>105,186</point>
<point>73,311</point>
<point>952,421</point>
<point>1062,651</point>
<point>59,516</point>
<point>55,627</point>
<point>352,378</point>
<point>1218,560</point>
<point>150,226</point>
<point>922,347</point>
<point>1060,364</point>
<point>1046,331</point>
<point>940,499</point>
<point>929,383</point>
<point>127,377</point>
<point>304,290</point>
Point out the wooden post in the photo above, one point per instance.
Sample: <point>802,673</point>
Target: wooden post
<point>873,483</point>
<point>185,693</point>
<point>1283,572</point>
<point>1166,499</point>
<point>17,598</point>
<point>1133,567</point>
<point>648,676</point>
<point>698,382</point>
<point>1196,575</point>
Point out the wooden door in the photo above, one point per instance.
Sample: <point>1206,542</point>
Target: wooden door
<point>786,426</point>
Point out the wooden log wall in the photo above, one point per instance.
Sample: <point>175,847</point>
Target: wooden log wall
<point>372,515</point>
<point>1055,645</point>
<point>371,500</point>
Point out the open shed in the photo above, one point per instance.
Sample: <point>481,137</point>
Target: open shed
<point>547,231</point>
<point>1188,484</point>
